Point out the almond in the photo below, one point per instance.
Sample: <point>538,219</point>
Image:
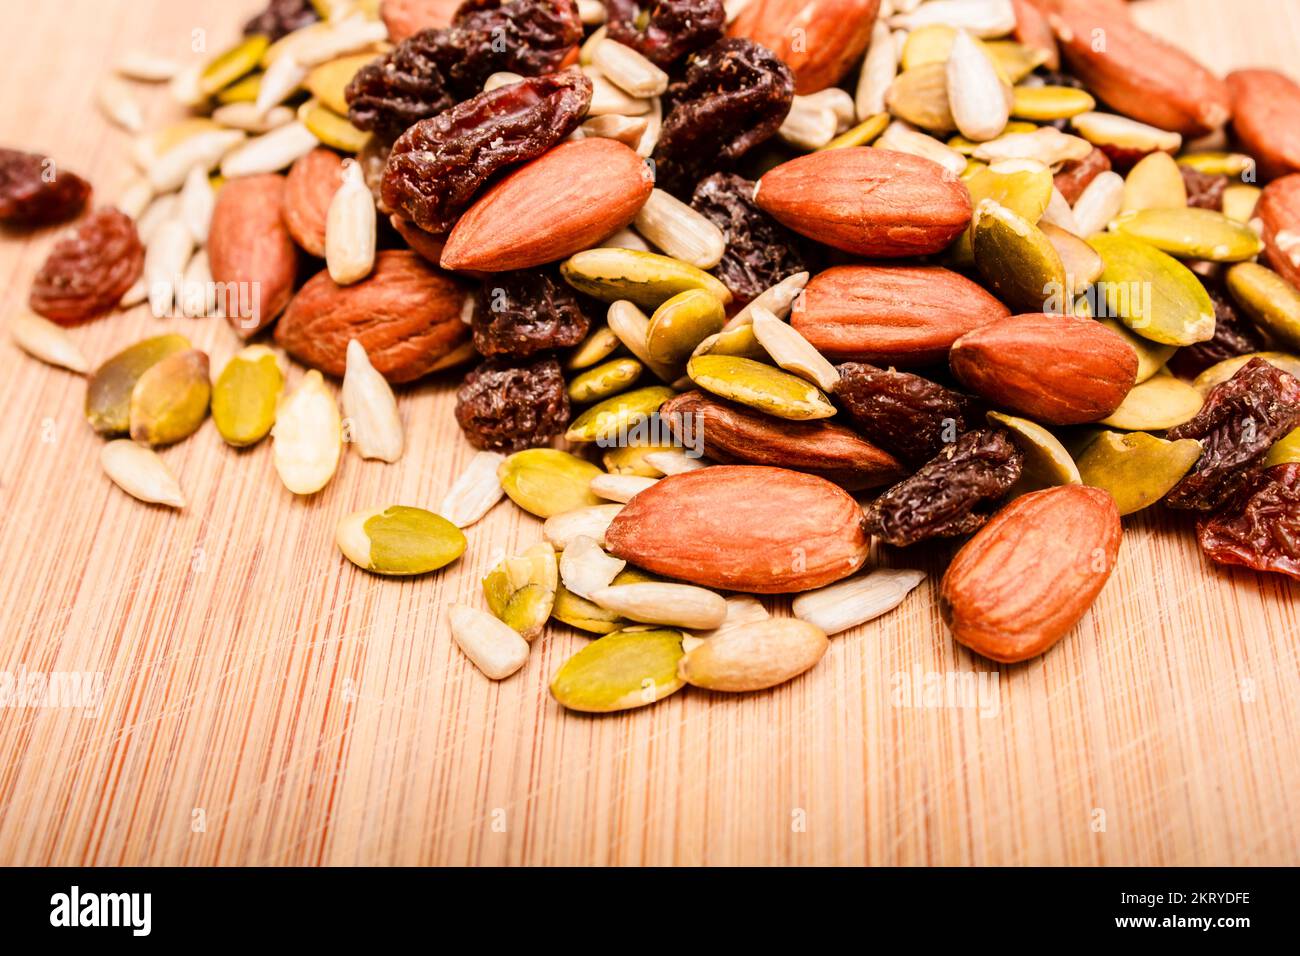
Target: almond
<point>252,255</point>
<point>564,201</point>
<point>742,528</point>
<point>1033,30</point>
<point>406,315</point>
<point>734,433</point>
<point>1075,176</point>
<point>1266,119</point>
<point>406,18</point>
<point>871,202</point>
<point>1028,575</point>
<point>308,189</point>
<point>1055,369</point>
<point>1136,73</point>
<point>891,315</point>
<point>425,243</point>
<point>820,40</point>
<point>1279,212</point>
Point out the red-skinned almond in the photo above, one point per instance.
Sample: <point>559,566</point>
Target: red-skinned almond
<point>566,200</point>
<point>251,253</point>
<point>870,202</point>
<point>820,40</point>
<point>1057,369</point>
<point>891,315</point>
<point>1279,211</point>
<point>742,528</point>
<point>310,186</point>
<point>1266,119</point>
<point>1030,574</point>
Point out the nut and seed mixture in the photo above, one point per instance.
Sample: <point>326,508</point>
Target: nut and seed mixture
<point>723,308</point>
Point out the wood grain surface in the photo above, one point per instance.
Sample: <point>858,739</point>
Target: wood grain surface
<point>265,702</point>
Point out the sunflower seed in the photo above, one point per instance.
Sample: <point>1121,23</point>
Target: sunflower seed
<point>198,293</point>
<point>847,604</point>
<point>674,462</point>
<point>778,299</point>
<point>658,602</point>
<point>308,437</point>
<point>120,106</point>
<point>608,98</point>
<point>585,568</point>
<point>165,259</point>
<point>247,117</point>
<point>620,487</point>
<point>147,67</point>
<point>374,424</point>
<point>975,92</point>
<point>1102,201</point>
<point>197,200</point>
<point>42,339</point>
<point>628,69</point>
<point>490,645</point>
<point>476,490</point>
<point>141,473</point>
<point>135,198</point>
<point>902,137</point>
<point>591,522</point>
<point>808,125</point>
<point>680,231</point>
<point>792,352</point>
<point>204,149</point>
<point>878,72</point>
<point>350,228</point>
<point>270,152</point>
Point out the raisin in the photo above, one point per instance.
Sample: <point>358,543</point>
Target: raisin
<point>431,71</point>
<point>909,416</point>
<point>1240,421</point>
<point>521,313</point>
<point>664,31</point>
<point>504,406</point>
<point>35,192</point>
<point>1204,190</point>
<point>1233,336</point>
<point>282,17</point>
<point>760,251</point>
<point>952,494</point>
<point>735,95</point>
<point>90,269</point>
<point>1261,527</point>
<point>437,166</point>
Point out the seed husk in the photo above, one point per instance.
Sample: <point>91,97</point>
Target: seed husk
<point>604,380</point>
<point>170,400</point>
<point>308,436</point>
<point>493,647</point>
<point>1286,451</point>
<point>1180,311</point>
<point>44,340</point>
<point>606,420</point>
<point>1020,264</point>
<point>585,568</point>
<point>476,490</point>
<point>1192,233</point>
<point>1136,469</point>
<point>838,607</point>
<point>1044,104</point>
<point>680,324</point>
<point>1222,371</point>
<point>521,589</point>
<point>546,482</point>
<point>590,521</point>
<point>1046,462</point>
<point>662,602</point>
<point>645,278</point>
<point>1152,356</point>
<point>1160,402</point>
<point>760,386</point>
<point>229,65</point>
<point>1269,299</point>
<point>1155,183</point>
<point>139,472</point>
<point>245,395</point>
<point>374,424</point>
<point>622,670</point>
<point>754,656</point>
<point>792,352</point>
<point>621,488</point>
<point>399,540</point>
<point>108,392</point>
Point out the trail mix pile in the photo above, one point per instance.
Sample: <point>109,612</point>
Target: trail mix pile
<point>732,289</point>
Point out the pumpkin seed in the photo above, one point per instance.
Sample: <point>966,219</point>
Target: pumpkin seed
<point>547,482</point>
<point>599,345</point>
<point>759,386</point>
<point>1218,163</point>
<point>1020,264</point>
<point>1286,451</point>
<point>838,607</point>
<point>863,134</point>
<point>604,380</point>
<point>329,81</point>
<point>680,324</point>
<point>645,278</point>
<point>755,656</point>
<point>587,616</point>
<point>1154,182</point>
<point>1044,104</point>
<point>632,328</point>
<point>1137,469</point>
<point>332,129</point>
<point>621,670</point>
<point>170,400</point>
<point>1152,356</point>
<point>920,96</point>
<point>520,590</point>
<point>631,459</point>
<point>229,65</point>
<point>245,395</point>
<point>1160,402</point>
<point>1022,185</point>
<point>1222,371</point>
<point>1014,60</point>
<point>490,645</point>
<point>740,340</point>
<point>1192,233</point>
<point>399,540</point>
<point>43,339</point>
<point>1153,293</point>
<point>1269,299</point>
<point>246,90</point>
<point>615,416</point>
<point>1046,462</point>
<point>108,392</point>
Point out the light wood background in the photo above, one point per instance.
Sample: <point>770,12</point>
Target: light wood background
<point>268,703</point>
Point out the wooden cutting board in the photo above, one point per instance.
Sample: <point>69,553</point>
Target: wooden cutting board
<point>265,702</point>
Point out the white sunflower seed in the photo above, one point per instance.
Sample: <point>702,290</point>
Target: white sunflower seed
<point>186,87</point>
<point>631,326</point>
<point>349,35</point>
<point>778,299</point>
<point>808,125</point>
<point>878,72</point>
<point>205,149</point>
<point>654,123</point>
<point>661,602</point>
<point>675,462</point>
<point>42,339</point>
<point>983,18</point>
<point>498,80</point>
<point>742,609</point>
<point>1059,213</point>
<point>620,487</point>
<point>119,105</point>
<point>1102,200</point>
<point>155,214</point>
<point>281,80</point>
<point>147,67</point>
<point>591,12</point>
<point>350,228</point>
<point>139,472</point>
<point>629,70</point>
<point>902,137</point>
<point>270,152</point>
<point>1047,145</point>
<point>374,424</point>
<point>491,645</point>
<point>975,91</point>
<point>847,604</point>
<point>197,200</point>
<point>198,293</point>
<point>165,259</point>
<point>476,490</point>
<point>792,352</point>
<point>247,117</point>
<point>308,436</point>
<point>628,130</point>
<point>590,522</point>
<point>1111,129</point>
<point>135,198</point>
<point>608,98</point>
<point>585,568</point>
<point>680,231</point>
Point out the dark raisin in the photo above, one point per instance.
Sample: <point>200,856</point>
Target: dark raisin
<point>521,313</point>
<point>735,95</point>
<point>760,251</point>
<point>429,72</point>
<point>437,166</point>
<point>505,406</point>
<point>1240,421</point>
<point>1233,336</point>
<point>1260,528</point>
<point>953,494</point>
<point>1056,78</point>
<point>1204,190</point>
<point>909,416</point>
<point>282,17</point>
<point>664,31</point>
<point>35,192</point>
<point>89,270</point>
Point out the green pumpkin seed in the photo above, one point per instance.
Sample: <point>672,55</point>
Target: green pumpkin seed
<point>1045,104</point>
<point>861,135</point>
<point>244,91</point>
<point>1219,373</point>
<point>108,392</point>
<point>170,400</point>
<point>631,460</point>
<point>1160,402</point>
<point>330,128</point>
<point>596,347</point>
<point>1137,469</point>
<point>1022,185</point>
<point>1270,300</point>
<point>399,540</point>
<point>589,616</point>
<point>605,380</point>
<point>1015,61</point>
<point>547,482</point>
<point>1020,264</point>
<point>645,278</point>
<point>521,590</point>
<point>245,395</point>
<point>760,386</point>
<point>1217,163</point>
<point>626,669</point>
<point>1192,233</point>
<point>1286,451</point>
<point>614,416</point>
<point>739,340</point>
<point>1046,462</point>
<point>1153,293</point>
<point>1152,356</point>
<point>229,65</point>
<point>682,323</point>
